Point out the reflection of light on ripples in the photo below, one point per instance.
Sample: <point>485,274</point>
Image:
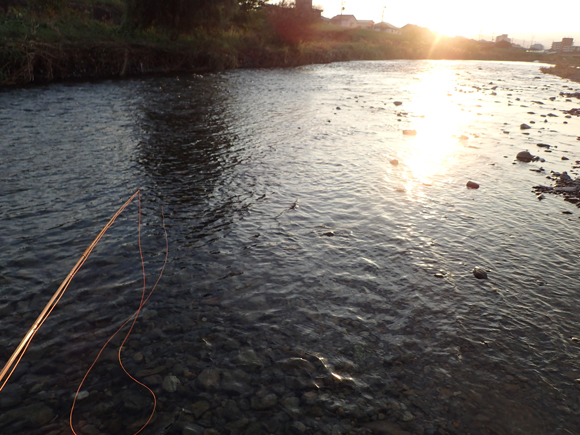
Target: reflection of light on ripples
<point>438,120</point>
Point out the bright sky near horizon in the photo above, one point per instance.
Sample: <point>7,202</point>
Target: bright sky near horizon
<point>536,20</point>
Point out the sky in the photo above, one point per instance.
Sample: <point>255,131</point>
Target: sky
<point>535,20</point>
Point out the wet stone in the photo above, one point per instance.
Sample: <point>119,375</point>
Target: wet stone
<point>11,395</point>
<point>309,397</point>
<point>33,416</point>
<point>209,379</point>
<point>248,360</point>
<point>266,402</point>
<point>199,408</point>
<point>170,384</point>
<point>524,156</point>
<point>192,429</point>
<point>298,427</point>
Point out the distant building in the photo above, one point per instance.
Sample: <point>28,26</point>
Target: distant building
<point>502,38</point>
<point>344,21</point>
<point>537,47</point>
<point>566,46</point>
<point>365,24</point>
<point>387,28</point>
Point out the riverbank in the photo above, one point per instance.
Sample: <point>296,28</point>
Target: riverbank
<point>90,40</point>
<point>569,72</point>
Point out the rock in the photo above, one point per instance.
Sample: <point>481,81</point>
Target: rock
<point>410,132</point>
<point>170,383</point>
<point>310,397</point>
<point>200,407</point>
<point>298,427</point>
<point>394,162</point>
<point>472,185</point>
<point>524,156</point>
<point>540,196</point>
<point>439,275</point>
<point>328,234</point>
<point>291,403</point>
<point>11,395</point>
<point>266,402</point>
<point>209,378</point>
<point>248,360</point>
<point>255,428</point>
<point>463,137</point>
<point>479,273</point>
<point>235,382</point>
<point>297,365</point>
<point>192,429</point>
<point>89,429</point>
<point>397,103</point>
<point>525,127</point>
<point>33,416</point>
<point>543,145</point>
<point>407,416</point>
<point>384,427</point>
<point>82,395</point>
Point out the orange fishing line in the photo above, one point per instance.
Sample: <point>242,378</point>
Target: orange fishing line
<point>134,317</point>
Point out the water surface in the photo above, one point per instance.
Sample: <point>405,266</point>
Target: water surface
<point>293,234</point>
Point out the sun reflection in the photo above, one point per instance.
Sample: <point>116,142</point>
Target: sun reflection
<point>438,120</point>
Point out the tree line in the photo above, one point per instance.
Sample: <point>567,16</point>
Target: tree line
<point>181,16</point>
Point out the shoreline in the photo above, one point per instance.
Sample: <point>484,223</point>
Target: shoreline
<point>40,63</point>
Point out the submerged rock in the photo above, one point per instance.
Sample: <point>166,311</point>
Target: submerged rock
<point>410,132</point>
<point>394,162</point>
<point>472,185</point>
<point>479,273</point>
<point>170,383</point>
<point>525,127</point>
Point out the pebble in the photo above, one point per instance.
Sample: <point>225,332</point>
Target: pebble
<point>525,127</point>
<point>410,132</point>
<point>394,162</point>
<point>209,379</point>
<point>170,383</point>
<point>479,273</point>
<point>472,185</point>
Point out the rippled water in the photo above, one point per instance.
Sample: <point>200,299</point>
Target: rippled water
<point>293,234</point>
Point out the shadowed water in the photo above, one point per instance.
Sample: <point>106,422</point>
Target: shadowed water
<point>293,234</point>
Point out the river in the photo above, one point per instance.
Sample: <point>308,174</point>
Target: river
<point>319,275</point>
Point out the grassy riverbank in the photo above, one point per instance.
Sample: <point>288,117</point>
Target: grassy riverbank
<point>86,39</point>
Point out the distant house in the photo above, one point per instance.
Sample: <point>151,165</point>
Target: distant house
<point>344,21</point>
<point>502,38</point>
<point>365,24</point>
<point>537,47</point>
<point>387,28</point>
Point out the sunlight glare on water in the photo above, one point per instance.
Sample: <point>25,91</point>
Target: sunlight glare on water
<point>439,123</point>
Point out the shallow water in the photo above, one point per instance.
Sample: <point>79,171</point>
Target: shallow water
<point>291,234</point>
